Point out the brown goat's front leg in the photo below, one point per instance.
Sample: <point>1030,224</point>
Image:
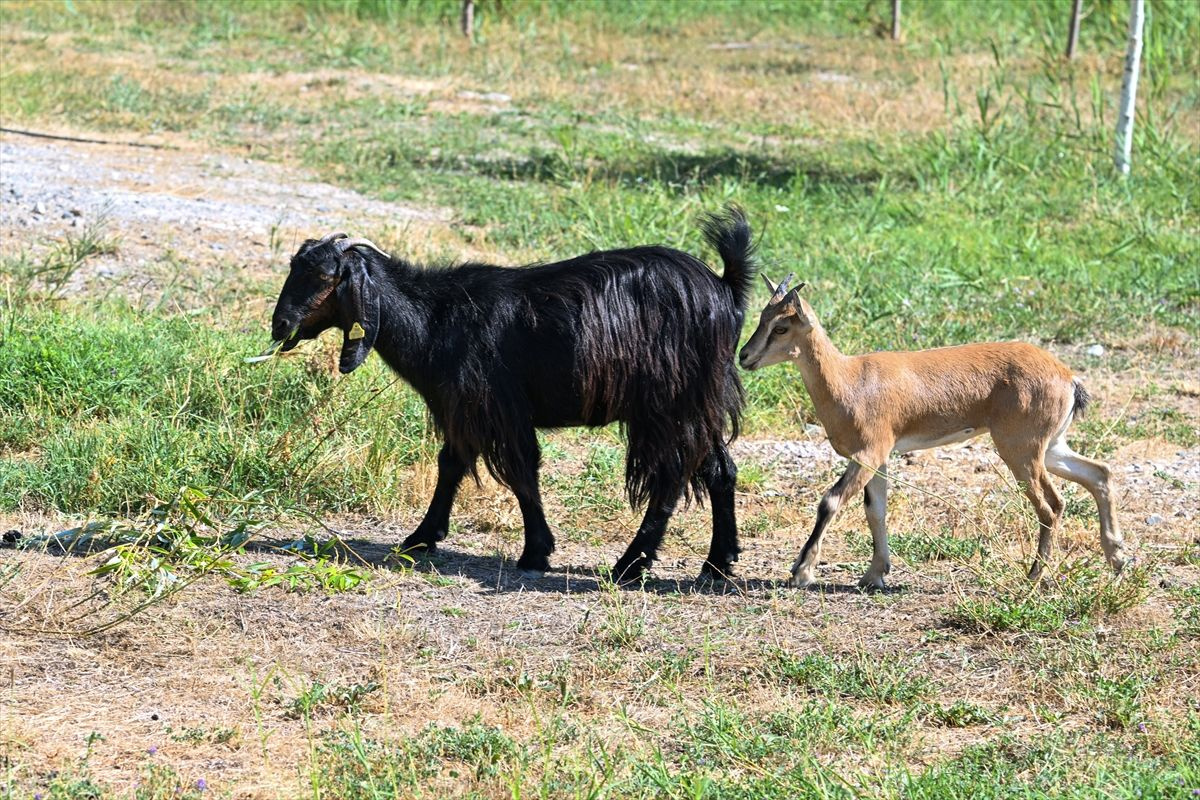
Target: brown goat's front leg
<point>853,481</point>
<point>875,504</point>
<point>436,524</point>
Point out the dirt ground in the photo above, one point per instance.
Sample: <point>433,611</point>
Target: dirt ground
<point>221,212</point>
<point>451,637</point>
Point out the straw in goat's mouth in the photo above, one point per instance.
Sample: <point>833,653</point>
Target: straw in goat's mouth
<point>273,349</point>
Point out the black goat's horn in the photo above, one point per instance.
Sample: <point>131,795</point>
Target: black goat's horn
<point>330,238</point>
<point>346,244</point>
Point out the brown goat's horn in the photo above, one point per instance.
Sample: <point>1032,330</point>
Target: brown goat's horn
<point>346,244</point>
<point>782,288</point>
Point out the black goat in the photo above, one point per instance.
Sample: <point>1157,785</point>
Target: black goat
<point>643,336</point>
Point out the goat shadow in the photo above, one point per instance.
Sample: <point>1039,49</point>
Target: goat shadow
<point>494,573</point>
<point>498,575</point>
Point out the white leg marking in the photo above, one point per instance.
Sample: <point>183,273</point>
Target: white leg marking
<point>881,559</point>
<point>1094,476</point>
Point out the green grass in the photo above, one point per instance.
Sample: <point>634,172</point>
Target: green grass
<point>863,676</point>
<point>918,547</point>
<point>114,409</point>
<point>1069,601</point>
<point>718,752</point>
<point>781,755</point>
<point>960,714</point>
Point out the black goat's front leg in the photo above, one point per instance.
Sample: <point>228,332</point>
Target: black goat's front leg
<point>720,477</point>
<point>436,524</point>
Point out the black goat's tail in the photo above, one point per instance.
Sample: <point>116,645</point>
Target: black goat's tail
<point>729,234</point>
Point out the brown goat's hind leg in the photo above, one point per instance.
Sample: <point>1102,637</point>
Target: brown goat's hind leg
<point>1097,479</point>
<point>1029,472</point>
<point>435,525</point>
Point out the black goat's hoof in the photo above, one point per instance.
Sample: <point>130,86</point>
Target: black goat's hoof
<point>530,565</point>
<point>631,570</point>
<point>416,547</point>
<point>715,573</point>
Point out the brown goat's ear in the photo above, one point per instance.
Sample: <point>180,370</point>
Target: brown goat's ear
<point>358,304</point>
<point>797,304</point>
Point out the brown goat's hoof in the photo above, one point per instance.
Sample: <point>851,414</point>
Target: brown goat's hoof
<point>803,578</point>
<point>872,582</point>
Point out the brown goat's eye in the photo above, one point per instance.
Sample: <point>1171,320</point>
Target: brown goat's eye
<point>779,330</point>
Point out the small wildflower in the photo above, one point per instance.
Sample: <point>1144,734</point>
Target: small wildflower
<point>202,784</point>
<point>151,750</point>
<point>1141,727</point>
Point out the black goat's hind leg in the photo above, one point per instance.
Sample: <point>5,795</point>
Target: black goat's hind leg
<point>539,541</point>
<point>641,551</point>
<point>720,477</point>
<point>436,524</point>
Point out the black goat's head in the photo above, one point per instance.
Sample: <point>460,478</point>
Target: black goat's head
<point>329,285</point>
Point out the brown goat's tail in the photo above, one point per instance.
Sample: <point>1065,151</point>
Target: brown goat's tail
<point>729,234</point>
<point>1082,399</point>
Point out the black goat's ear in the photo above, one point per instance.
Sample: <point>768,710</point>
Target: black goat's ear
<point>358,302</point>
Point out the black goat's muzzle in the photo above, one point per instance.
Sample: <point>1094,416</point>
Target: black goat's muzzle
<point>286,332</point>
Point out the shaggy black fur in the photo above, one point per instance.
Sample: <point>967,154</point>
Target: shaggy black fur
<point>644,337</point>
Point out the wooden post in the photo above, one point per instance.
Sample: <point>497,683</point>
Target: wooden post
<point>1125,112</point>
<point>468,18</point>
<point>1073,35</point>
<point>895,20</point>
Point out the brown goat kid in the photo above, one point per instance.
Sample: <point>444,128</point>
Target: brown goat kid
<point>873,405</point>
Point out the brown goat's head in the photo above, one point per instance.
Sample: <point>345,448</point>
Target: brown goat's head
<point>329,286</point>
<point>785,316</point>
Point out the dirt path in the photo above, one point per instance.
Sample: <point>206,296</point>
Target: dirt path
<point>214,207</point>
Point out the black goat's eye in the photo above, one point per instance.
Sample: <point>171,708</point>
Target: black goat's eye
<point>779,330</point>
<point>325,277</point>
